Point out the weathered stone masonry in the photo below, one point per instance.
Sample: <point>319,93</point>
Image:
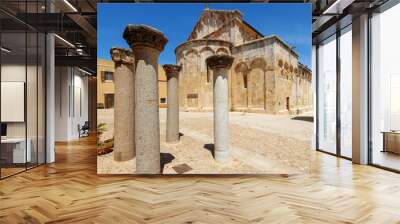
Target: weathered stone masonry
<point>147,44</point>
<point>265,77</point>
<point>220,65</point>
<point>124,114</point>
<point>172,73</point>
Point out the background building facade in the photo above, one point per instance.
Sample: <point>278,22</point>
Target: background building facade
<point>105,85</point>
<point>265,77</point>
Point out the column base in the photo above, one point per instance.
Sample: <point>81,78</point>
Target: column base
<point>221,156</point>
<point>123,156</point>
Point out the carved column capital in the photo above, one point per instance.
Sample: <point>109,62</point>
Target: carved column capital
<point>219,61</point>
<point>121,55</point>
<point>171,69</point>
<point>142,35</point>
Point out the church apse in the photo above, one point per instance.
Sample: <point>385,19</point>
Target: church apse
<point>266,75</point>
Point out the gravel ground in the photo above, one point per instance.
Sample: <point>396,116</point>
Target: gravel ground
<point>259,144</point>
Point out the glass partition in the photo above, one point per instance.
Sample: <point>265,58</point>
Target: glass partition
<point>22,77</point>
<point>13,105</point>
<point>346,92</point>
<point>327,95</point>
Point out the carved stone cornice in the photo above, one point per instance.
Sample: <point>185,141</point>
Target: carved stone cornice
<point>142,35</point>
<point>121,55</point>
<point>219,61</point>
<point>171,69</point>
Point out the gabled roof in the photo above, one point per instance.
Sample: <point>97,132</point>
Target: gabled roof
<point>304,67</point>
<point>236,21</point>
<point>275,38</point>
<point>233,15</point>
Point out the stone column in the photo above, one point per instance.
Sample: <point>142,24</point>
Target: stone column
<point>220,64</point>
<point>172,73</point>
<point>146,43</point>
<point>124,107</point>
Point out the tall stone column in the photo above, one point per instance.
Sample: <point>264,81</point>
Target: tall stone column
<point>172,73</point>
<point>220,64</point>
<point>146,43</point>
<point>124,107</point>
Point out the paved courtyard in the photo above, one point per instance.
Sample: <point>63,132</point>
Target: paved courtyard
<point>259,143</point>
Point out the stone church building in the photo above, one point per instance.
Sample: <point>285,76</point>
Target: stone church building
<point>266,75</point>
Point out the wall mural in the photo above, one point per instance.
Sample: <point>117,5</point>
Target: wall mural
<point>214,95</point>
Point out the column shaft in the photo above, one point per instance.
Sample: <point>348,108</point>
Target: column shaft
<point>147,128</point>
<point>173,110</point>
<point>147,44</point>
<point>221,114</point>
<point>172,73</point>
<point>124,141</point>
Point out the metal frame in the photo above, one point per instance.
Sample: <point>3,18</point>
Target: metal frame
<point>338,98</point>
<point>318,97</point>
<point>369,103</point>
<point>338,152</point>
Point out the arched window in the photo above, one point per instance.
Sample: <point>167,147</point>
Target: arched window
<point>245,80</point>
<point>258,63</point>
<point>280,63</point>
<point>242,68</point>
<point>222,51</point>
<point>204,54</point>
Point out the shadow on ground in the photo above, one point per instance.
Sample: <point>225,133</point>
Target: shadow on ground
<point>304,118</point>
<point>209,147</point>
<point>165,158</point>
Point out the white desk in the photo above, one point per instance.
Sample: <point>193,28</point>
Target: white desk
<point>18,149</point>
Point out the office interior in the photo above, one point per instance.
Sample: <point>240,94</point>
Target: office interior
<point>48,89</point>
<point>357,82</point>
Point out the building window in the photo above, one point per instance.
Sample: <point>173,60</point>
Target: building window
<point>287,103</point>
<point>163,100</point>
<point>245,80</point>
<point>327,95</point>
<point>109,100</point>
<point>345,93</point>
<point>385,89</point>
<point>107,76</point>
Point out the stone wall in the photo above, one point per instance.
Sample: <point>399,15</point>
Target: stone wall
<point>265,77</point>
<point>293,83</point>
<point>195,84</point>
<point>253,82</point>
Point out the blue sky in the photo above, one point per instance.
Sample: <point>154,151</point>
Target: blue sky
<point>292,22</point>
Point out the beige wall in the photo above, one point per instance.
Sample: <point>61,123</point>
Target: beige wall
<point>264,76</point>
<point>108,87</point>
<point>104,87</point>
<point>276,82</point>
<point>195,84</point>
<point>162,86</point>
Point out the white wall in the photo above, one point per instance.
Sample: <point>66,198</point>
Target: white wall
<point>12,73</point>
<point>71,87</point>
<point>33,126</point>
